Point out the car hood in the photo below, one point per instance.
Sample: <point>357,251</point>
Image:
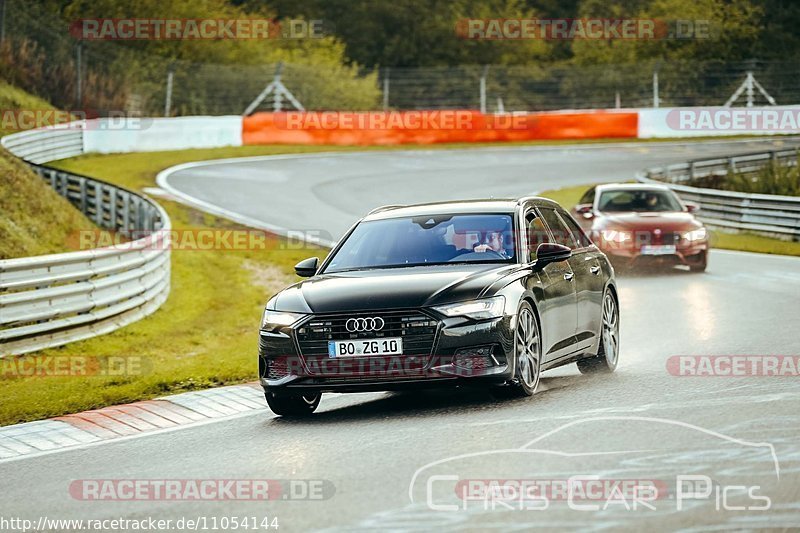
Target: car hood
<point>393,288</point>
<point>647,221</point>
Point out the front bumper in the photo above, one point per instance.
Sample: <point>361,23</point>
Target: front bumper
<point>686,253</point>
<point>463,351</point>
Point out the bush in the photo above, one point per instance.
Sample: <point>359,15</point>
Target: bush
<point>774,178</point>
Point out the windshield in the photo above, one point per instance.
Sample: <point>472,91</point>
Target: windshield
<point>638,200</point>
<point>425,240</point>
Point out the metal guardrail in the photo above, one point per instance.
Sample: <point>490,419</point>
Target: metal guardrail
<point>772,215</point>
<point>47,144</point>
<point>55,299</point>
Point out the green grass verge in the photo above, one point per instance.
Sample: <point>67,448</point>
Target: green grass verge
<point>13,98</point>
<point>34,219</point>
<point>204,335</point>
<point>745,242</point>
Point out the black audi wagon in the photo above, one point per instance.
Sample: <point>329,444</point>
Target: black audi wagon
<point>481,292</point>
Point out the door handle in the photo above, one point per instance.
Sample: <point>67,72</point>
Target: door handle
<point>568,276</point>
<point>595,270</point>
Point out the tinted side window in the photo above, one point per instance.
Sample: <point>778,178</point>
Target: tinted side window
<point>577,233</point>
<point>561,234</point>
<point>537,232</point>
<point>588,197</point>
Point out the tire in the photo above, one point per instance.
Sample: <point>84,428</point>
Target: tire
<point>702,265</point>
<point>607,358</point>
<point>293,405</point>
<point>527,355</point>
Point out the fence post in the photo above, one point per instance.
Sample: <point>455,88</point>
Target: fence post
<point>277,104</point>
<point>168,99</point>
<point>126,214</point>
<point>386,88</point>
<point>98,204</point>
<point>2,21</point>
<point>78,69</point>
<point>655,89</point>
<point>83,195</point>
<point>113,204</point>
<point>483,88</point>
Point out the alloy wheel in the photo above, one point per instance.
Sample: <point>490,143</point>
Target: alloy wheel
<point>610,329</point>
<point>528,349</point>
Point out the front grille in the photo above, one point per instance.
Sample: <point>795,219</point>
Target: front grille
<point>417,329</point>
<point>665,238</point>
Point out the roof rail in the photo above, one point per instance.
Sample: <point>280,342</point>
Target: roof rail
<point>528,198</point>
<point>385,208</point>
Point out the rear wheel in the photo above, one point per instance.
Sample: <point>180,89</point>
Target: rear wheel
<point>527,354</point>
<point>293,405</point>
<point>606,359</point>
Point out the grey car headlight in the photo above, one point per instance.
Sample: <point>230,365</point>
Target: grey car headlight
<point>476,309</point>
<point>271,320</point>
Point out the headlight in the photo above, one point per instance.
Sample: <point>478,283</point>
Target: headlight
<point>612,235</point>
<point>477,309</point>
<point>695,235</point>
<point>274,319</point>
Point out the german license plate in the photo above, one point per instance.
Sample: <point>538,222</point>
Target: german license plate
<point>366,347</point>
<point>665,249</point>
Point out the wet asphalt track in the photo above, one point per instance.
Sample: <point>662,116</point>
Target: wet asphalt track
<point>377,449</point>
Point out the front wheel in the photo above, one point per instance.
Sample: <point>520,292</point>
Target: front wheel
<point>527,354</point>
<point>607,357</point>
<point>701,264</point>
<point>293,405</point>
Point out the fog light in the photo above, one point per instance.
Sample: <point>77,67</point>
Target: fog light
<point>477,358</point>
<point>277,368</point>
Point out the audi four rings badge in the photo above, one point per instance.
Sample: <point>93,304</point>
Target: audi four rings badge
<point>364,324</point>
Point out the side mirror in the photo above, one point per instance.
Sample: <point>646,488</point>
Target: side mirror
<point>584,211</point>
<point>549,252</point>
<point>307,267</point>
<point>691,207</point>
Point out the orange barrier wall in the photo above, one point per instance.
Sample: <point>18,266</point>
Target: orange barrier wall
<point>428,127</point>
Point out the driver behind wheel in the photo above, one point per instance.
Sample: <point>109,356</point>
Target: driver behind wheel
<point>492,243</point>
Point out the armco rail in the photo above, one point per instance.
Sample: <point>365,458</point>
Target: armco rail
<point>51,300</point>
<point>760,213</point>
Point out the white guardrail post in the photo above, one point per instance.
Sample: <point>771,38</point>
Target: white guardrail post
<point>767,214</point>
<point>51,300</point>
